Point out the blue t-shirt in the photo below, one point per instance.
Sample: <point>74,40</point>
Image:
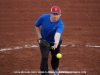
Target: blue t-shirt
<point>49,28</point>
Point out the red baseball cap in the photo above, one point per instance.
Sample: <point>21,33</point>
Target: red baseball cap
<point>55,9</point>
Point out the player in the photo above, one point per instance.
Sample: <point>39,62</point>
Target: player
<point>50,27</point>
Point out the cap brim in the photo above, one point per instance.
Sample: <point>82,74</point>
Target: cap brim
<point>55,13</point>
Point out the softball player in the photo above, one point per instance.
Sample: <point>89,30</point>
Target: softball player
<point>50,27</point>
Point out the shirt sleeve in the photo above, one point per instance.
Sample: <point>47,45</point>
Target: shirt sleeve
<point>60,27</point>
<point>39,21</point>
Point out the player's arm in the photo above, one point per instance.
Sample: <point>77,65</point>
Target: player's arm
<point>38,30</point>
<point>57,36</point>
<point>57,39</point>
<point>38,25</point>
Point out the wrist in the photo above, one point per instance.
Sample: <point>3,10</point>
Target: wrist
<point>39,37</point>
<point>56,44</point>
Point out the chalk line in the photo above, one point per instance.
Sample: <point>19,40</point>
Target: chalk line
<point>36,46</point>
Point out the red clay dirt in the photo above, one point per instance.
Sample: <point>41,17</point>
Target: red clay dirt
<point>81,36</point>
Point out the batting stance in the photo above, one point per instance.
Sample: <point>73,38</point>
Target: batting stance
<point>49,28</point>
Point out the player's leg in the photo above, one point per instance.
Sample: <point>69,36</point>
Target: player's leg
<point>54,59</point>
<point>44,60</point>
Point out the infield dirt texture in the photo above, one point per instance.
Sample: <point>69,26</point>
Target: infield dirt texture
<point>19,51</point>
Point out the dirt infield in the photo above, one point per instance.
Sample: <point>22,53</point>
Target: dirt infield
<point>19,51</point>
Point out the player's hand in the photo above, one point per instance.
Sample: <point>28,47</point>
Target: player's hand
<point>54,46</point>
<point>39,40</point>
<point>43,43</point>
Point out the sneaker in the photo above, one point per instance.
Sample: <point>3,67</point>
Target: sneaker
<point>56,72</point>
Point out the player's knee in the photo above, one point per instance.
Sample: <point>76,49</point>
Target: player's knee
<point>44,58</point>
